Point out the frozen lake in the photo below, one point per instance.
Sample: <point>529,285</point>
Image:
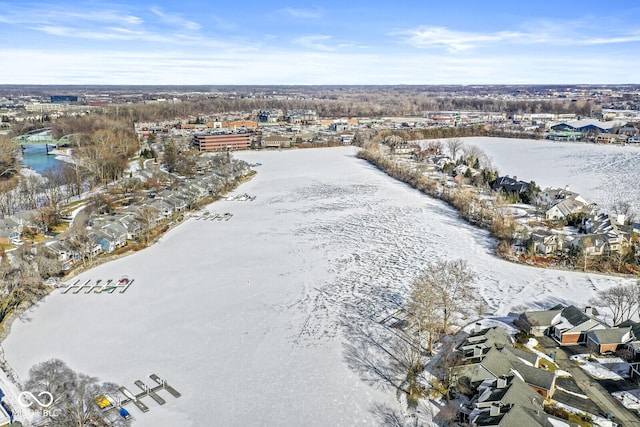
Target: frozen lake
<point>250,319</point>
<point>603,173</point>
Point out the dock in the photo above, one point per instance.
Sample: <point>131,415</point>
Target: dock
<point>99,287</point>
<point>163,383</point>
<point>150,392</point>
<point>82,287</point>
<point>133,398</point>
<point>68,288</point>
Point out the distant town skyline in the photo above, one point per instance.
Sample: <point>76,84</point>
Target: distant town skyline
<point>408,42</point>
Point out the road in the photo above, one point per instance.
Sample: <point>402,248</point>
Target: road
<point>598,394</point>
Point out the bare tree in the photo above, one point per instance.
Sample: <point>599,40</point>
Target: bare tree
<point>454,145</point>
<point>147,217</point>
<point>8,157</point>
<point>622,300</point>
<point>423,311</point>
<point>73,394</point>
<point>450,284</point>
<point>623,208</point>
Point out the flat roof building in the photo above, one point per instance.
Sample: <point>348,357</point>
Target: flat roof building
<point>222,142</point>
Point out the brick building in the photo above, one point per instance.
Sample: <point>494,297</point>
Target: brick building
<point>222,142</point>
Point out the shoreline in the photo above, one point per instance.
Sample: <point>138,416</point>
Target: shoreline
<point>450,197</point>
<point>7,322</point>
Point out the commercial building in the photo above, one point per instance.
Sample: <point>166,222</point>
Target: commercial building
<point>222,141</point>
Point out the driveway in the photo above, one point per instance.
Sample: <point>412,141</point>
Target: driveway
<point>591,387</point>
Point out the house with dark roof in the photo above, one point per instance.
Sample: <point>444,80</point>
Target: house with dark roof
<point>540,321</point>
<point>543,382</point>
<point>633,346</point>
<point>574,325</point>
<point>477,344</point>
<point>508,401</point>
<point>497,363</point>
<point>609,339</point>
<point>509,185</point>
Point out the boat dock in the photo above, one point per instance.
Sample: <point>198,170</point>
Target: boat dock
<point>98,287</point>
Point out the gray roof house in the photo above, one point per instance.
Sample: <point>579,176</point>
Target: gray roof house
<point>610,339</point>
<point>165,210</point>
<point>564,208</point>
<point>509,402</point>
<point>131,225</point>
<point>116,231</point>
<point>106,242</point>
<point>480,341</point>
<point>544,382</point>
<point>574,325</point>
<point>64,252</point>
<point>538,322</point>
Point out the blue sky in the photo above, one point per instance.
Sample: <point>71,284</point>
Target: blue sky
<point>329,42</point>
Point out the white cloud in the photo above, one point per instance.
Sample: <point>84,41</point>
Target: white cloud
<point>546,33</point>
<point>177,20</point>
<point>303,13</point>
<point>226,66</point>
<point>453,41</point>
<point>315,42</point>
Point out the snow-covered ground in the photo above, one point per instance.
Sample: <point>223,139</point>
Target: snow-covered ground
<point>603,368</point>
<point>603,173</point>
<point>629,398</point>
<point>262,319</point>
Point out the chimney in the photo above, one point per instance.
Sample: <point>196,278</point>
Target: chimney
<point>589,311</point>
<point>620,219</point>
<point>566,187</point>
<point>477,328</point>
<point>494,411</point>
<point>502,382</point>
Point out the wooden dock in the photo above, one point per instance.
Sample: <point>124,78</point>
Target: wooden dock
<point>152,392</point>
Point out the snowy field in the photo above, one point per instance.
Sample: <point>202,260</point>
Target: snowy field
<point>602,173</point>
<point>263,319</point>
<point>603,368</point>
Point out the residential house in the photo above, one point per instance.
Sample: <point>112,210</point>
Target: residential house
<point>539,322</point>
<point>547,242</point>
<point>607,138</point>
<point>550,196</point>
<point>574,325</point>
<point>489,354</point>
<point>516,416</point>
<point>593,244</point>
<point>500,392</point>
<point>107,243</point>
<point>609,339</point>
<point>178,200</point>
<point>541,381</point>
<point>117,232</point>
<point>481,340</point>
<point>165,210</point>
<point>565,207</point>
<point>510,185</point>
<point>131,225</point>
<point>64,252</point>
<point>10,231</point>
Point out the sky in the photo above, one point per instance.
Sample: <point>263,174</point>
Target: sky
<point>193,42</point>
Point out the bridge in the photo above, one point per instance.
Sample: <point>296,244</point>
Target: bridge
<point>42,137</point>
